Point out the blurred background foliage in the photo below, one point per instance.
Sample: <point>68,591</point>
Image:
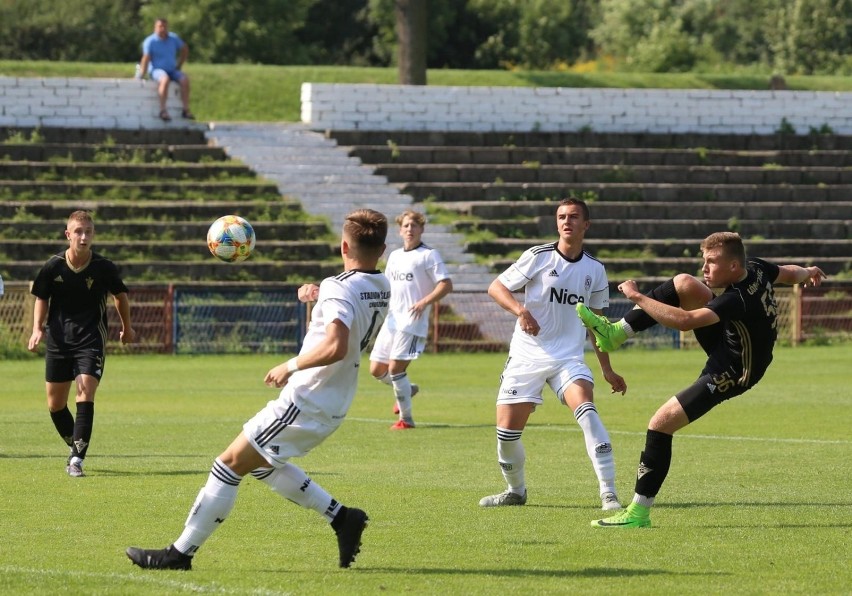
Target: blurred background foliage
<point>759,36</point>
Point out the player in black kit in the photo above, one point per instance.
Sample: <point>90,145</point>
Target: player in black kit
<point>736,328</point>
<point>71,309</point>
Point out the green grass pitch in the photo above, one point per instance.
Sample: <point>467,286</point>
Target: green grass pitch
<point>757,500</point>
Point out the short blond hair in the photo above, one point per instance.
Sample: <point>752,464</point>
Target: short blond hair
<point>729,242</point>
<point>415,216</point>
<point>81,215</point>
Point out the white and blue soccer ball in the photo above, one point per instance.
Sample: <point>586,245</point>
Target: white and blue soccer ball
<point>231,239</point>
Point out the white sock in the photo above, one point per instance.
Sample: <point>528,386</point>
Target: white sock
<point>291,482</point>
<point>211,508</point>
<point>384,378</point>
<point>402,392</point>
<point>598,445</point>
<point>511,457</point>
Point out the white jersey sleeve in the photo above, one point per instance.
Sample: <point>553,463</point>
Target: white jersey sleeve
<point>413,274</point>
<point>553,285</point>
<point>359,300</point>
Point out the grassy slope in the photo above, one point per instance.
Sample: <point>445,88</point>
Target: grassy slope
<point>757,500</point>
<point>263,93</point>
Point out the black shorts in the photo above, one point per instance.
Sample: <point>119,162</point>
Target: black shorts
<point>708,391</point>
<point>68,365</point>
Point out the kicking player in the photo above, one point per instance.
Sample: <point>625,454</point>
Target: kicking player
<point>318,386</point>
<point>418,279</point>
<point>547,347</point>
<point>71,308</point>
<point>736,329</point>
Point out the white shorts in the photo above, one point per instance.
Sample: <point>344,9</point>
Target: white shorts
<point>523,381</point>
<point>397,345</point>
<point>281,431</point>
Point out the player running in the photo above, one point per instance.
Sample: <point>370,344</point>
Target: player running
<point>418,279</point>
<point>317,388</point>
<point>547,348</point>
<point>736,327</point>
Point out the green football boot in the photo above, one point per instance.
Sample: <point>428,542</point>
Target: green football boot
<point>635,516</point>
<point>608,335</point>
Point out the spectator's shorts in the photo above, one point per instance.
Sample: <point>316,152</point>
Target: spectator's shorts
<point>174,75</point>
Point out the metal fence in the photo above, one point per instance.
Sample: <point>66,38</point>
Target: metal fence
<point>240,318</point>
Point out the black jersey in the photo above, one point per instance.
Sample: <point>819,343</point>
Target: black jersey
<point>77,316</point>
<point>747,313</point>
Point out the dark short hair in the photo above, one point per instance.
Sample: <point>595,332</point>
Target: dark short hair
<point>572,200</point>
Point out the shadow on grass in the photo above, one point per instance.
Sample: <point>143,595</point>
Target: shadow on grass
<point>761,504</point>
<point>576,573</point>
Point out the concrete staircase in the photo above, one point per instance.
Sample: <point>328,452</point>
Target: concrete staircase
<point>327,181</point>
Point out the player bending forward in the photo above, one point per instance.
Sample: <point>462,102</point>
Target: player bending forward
<point>736,328</point>
<point>318,386</point>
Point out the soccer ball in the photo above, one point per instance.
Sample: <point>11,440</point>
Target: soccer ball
<point>231,239</point>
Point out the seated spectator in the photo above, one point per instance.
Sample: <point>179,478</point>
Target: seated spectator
<point>163,55</point>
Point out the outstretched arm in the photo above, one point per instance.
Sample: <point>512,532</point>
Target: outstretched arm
<point>793,274</point>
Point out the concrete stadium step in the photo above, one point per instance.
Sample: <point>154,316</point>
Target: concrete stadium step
<point>672,228</point>
<point>488,174</point>
<point>628,192</point>
<point>154,211</point>
<point>38,171</point>
<point>593,139</point>
<point>555,156</point>
<point>302,163</point>
<point>106,153</point>
<point>775,210</point>
<point>188,251</point>
<point>619,268</point>
<point>89,189</point>
<point>604,248</point>
<point>136,136</point>
<point>164,231</point>
<point>208,269</point>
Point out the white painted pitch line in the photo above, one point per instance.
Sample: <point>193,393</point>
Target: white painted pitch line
<point>571,429</point>
<point>149,578</point>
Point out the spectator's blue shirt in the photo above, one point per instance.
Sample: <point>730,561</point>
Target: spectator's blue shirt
<point>163,52</point>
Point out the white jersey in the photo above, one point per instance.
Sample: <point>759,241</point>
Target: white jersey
<point>413,274</point>
<point>359,299</point>
<point>553,285</point>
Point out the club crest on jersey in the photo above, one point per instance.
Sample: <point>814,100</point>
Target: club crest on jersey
<point>89,282</point>
<point>588,283</point>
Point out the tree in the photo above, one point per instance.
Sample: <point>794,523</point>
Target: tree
<point>234,31</point>
<point>412,30</point>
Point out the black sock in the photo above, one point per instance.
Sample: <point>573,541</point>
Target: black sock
<point>83,428</point>
<point>639,320</point>
<point>654,463</point>
<point>337,522</point>
<point>64,423</point>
